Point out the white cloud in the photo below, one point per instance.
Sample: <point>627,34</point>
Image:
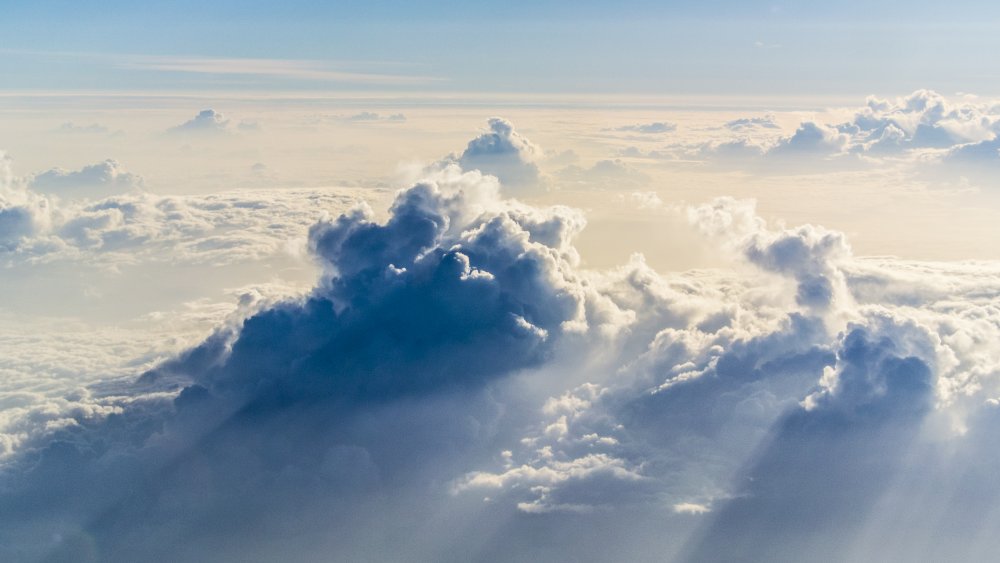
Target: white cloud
<point>23,214</point>
<point>504,153</point>
<point>923,122</point>
<point>811,138</point>
<point>140,227</point>
<point>750,123</point>
<point>691,508</point>
<point>96,180</point>
<point>207,121</point>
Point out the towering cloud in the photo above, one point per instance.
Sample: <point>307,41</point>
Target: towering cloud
<point>454,291</point>
<point>504,153</point>
<point>436,298</point>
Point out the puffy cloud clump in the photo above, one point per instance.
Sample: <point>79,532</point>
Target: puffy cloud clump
<point>827,461</point>
<point>921,127</point>
<point>983,153</point>
<point>23,214</point>
<point>84,223</point>
<point>749,123</point>
<point>810,255</point>
<point>810,138</point>
<point>96,180</point>
<point>654,128</point>
<point>812,144</point>
<point>923,121</point>
<point>504,153</point>
<point>482,299</point>
<point>711,368</point>
<point>207,121</point>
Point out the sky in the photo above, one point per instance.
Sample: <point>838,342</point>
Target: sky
<point>719,47</point>
<point>450,281</point>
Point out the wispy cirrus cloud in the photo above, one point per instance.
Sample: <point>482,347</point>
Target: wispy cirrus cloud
<point>299,69</point>
<point>294,69</point>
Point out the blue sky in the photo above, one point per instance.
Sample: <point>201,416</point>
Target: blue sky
<point>528,47</point>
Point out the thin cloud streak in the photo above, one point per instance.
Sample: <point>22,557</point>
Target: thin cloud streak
<point>297,69</point>
<point>277,68</point>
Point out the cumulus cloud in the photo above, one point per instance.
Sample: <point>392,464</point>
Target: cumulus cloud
<point>733,150</point>
<point>504,153</point>
<point>207,121</point>
<point>811,256</point>
<point>811,138</point>
<point>924,119</point>
<point>139,227</point>
<point>96,180</point>
<point>416,269</point>
<point>656,127</point>
<point>216,229</point>
<point>828,461</point>
<point>23,214</point>
<point>810,145</point>
<point>922,122</point>
<point>749,123</point>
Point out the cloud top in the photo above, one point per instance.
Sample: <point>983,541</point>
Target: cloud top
<point>504,153</point>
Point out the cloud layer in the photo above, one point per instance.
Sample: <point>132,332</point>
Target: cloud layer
<point>458,387</point>
<point>922,123</point>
